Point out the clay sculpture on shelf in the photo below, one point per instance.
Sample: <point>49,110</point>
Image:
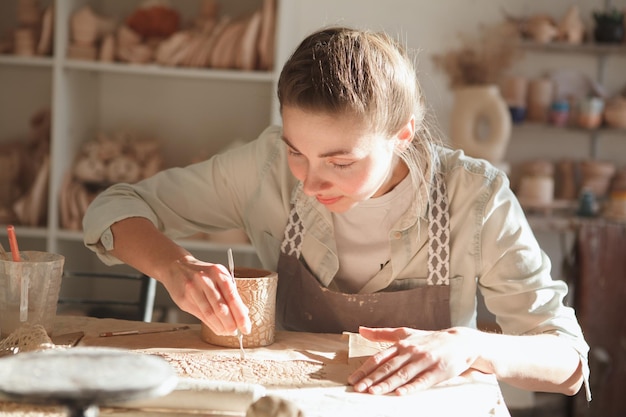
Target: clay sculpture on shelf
<point>107,159</point>
<point>155,32</point>
<point>33,32</point>
<point>24,175</point>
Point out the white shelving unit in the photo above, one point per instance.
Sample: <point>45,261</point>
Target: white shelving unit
<point>190,111</point>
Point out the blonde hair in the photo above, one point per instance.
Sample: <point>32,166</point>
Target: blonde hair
<point>363,74</point>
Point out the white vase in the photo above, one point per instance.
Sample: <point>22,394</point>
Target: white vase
<point>480,122</point>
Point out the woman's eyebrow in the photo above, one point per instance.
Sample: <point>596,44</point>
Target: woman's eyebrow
<point>338,152</point>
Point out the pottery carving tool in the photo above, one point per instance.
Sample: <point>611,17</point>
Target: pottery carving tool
<point>135,332</point>
<point>231,268</point>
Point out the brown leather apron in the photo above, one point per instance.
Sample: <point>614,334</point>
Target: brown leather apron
<point>303,304</point>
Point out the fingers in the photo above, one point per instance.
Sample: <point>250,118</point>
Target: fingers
<point>210,294</point>
<point>208,304</point>
<point>238,309</point>
<point>387,334</point>
<point>382,374</point>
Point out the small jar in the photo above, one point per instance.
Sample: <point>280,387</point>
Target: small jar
<point>590,113</point>
<point>559,113</point>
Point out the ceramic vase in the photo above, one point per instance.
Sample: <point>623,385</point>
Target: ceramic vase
<point>480,122</point>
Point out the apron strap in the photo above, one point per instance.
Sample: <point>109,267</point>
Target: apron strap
<point>294,235</point>
<point>438,234</point>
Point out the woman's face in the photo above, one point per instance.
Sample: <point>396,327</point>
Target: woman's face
<point>339,162</point>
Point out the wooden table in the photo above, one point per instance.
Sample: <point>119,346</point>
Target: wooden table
<point>306,368</point>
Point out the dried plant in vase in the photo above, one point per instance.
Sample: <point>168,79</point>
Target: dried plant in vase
<point>482,59</point>
<point>480,118</point>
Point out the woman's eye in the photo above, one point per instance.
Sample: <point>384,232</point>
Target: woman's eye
<point>292,152</point>
<point>344,165</point>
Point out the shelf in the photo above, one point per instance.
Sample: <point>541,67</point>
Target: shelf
<point>586,48</point>
<point>158,70</point>
<point>26,61</point>
<point>30,232</point>
<point>542,127</point>
<point>77,236</point>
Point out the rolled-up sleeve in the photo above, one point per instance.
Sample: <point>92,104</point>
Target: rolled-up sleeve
<point>208,197</point>
<point>515,276</point>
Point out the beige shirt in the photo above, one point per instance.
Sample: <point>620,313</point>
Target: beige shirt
<point>493,248</point>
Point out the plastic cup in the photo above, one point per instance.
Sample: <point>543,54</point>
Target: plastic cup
<point>257,289</point>
<point>29,290</point>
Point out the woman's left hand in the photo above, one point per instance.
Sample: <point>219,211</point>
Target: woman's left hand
<point>417,360</point>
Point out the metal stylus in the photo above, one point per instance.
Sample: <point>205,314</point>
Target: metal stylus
<point>231,268</point>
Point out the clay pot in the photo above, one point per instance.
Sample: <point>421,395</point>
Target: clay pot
<point>590,113</point>
<point>541,29</point>
<point>540,97</point>
<point>572,28</point>
<point>514,90</point>
<point>481,123</point>
<point>84,25</point>
<point>615,113</point>
<point>596,176</point>
<point>536,191</point>
<point>566,184</point>
<point>25,42</point>
<point>538,167</point>
<point>257,288</point>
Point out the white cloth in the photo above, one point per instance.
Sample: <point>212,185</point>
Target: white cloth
<point>362,235</point>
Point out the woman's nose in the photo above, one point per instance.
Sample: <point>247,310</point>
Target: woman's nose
<point>313,183</point>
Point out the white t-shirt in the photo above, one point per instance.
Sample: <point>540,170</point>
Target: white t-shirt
<point>362,235</point>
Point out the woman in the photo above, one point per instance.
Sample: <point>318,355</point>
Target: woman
<point>368,222</point>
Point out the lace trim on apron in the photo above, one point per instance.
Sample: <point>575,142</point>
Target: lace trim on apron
<point>438,234</point>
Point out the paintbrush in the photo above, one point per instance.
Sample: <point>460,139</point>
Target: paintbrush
<point>231,268</point>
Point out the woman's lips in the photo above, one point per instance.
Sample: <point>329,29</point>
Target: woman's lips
<point>328,200</point>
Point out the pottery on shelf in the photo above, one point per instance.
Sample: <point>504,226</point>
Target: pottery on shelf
<point>480,122</point>
<point>596,176</point>
<point>541,29</point>
<point>514,90</point>
<point>539,167</point>
<point>536,191</point>
<point>571,27</point>
<point>615,112</point>
<point>566,184</point>
<point>609,26</point>
<point>540,98</point>
<point>590,112</point>
<point>84,26</point>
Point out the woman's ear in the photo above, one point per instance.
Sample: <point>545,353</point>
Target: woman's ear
<point>406,133</point>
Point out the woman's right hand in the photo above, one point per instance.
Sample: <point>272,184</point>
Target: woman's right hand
<point>203,289</point>
<point>207,291</point>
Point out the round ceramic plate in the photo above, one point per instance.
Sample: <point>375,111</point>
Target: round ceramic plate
<point>84,375</point>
